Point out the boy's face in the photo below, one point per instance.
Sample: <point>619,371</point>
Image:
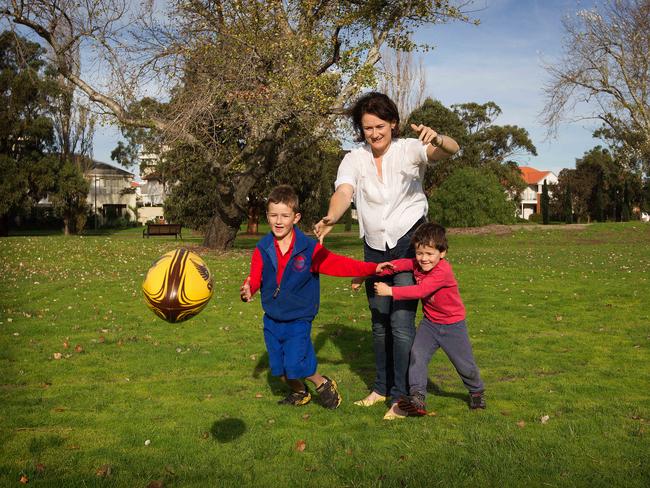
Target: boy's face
<point>428,257</point>
<point>281,218</point>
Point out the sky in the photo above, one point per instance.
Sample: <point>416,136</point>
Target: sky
<point>501,60</point>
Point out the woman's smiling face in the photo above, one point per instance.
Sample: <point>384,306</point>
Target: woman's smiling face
<point>378,133</point>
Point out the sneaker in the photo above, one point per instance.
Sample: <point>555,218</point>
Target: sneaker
<point>328,393</point>
<point>476,400</point>
<point>297,398</point>
<point>413,405</point>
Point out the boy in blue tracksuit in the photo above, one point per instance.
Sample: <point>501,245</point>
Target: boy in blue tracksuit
<point>285,266</point>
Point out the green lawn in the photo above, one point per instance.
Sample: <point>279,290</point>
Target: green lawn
<point>559,319</point>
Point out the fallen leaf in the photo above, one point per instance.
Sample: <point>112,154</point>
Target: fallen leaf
<point>545,418</point>
<point>24,479</point>
<point>156,484</point>
<point>258,395</point>
<point>306,416</point>
<point>431,413</point>
<point>57,355</point>
<point>205,435</point>
<point>66,344</point>
<point>301,445</point>
<point>558,318</point>
<point>78,348</point>
<point>40,467</point>
<point>521,424</point>
<point>104,471</point>
<point>147,442</point>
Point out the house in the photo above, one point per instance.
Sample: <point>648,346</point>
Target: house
<point>531,197</point>
<point>111,194</point>
<point>153,191</point>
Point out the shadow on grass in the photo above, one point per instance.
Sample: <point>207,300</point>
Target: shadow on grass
<point>227,430</point>
<point>355,348</point>
<point>437,391</point>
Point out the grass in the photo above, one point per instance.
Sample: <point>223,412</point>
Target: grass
<point>559,321</point>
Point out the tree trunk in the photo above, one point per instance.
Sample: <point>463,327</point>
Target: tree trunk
<point>4,225</point>
<point>66,226</point>
<point>219,234</point>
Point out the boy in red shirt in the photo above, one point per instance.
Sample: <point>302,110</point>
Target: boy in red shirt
<point>443,324</point>
<point>285,267</point>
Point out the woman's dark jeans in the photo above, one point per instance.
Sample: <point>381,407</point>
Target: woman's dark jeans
<point>393,322</point>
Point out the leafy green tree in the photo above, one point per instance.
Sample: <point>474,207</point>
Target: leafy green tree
<point>69,197</point>
<point>471,197</point>
<point>483,144</point>
<point>26,131</point>
<point>246,79</point>
<point>32,155</point>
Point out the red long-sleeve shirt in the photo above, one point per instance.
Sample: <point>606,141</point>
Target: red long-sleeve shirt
<point>323,261</point>
<point>438,290</point>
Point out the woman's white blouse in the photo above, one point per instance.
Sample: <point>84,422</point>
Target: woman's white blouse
<point>386,209</point>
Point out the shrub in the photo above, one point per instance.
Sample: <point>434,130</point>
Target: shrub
<point>471,197</point>
<point>536,218</point>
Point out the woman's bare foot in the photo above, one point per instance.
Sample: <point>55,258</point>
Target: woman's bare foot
<point>394,412</point>
<point>371,399</point>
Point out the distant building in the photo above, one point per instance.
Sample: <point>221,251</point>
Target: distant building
<point>112,194</point>
<point>153,190</point>
<point>531,197</point>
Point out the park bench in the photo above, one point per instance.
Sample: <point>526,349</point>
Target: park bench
<point>162,230</point>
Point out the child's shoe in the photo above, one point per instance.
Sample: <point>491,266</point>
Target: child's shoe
<point>476,400</point>
<point>297,398</point>
<point>413,405</point>
<point>328,393</point>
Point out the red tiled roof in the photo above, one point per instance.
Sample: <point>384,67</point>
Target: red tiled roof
<point>532,176</point>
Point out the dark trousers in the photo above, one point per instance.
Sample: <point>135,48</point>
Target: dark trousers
<point>393,322</point>
<point>454,340</point>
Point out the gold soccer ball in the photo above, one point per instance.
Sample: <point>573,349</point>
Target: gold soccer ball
<point>178,285</point>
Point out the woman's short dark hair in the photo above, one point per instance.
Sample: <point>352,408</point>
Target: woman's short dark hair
<point>377,104</point>
<point>432,235</point>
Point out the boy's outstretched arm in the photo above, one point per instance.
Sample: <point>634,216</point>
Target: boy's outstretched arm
<point>331,264</point>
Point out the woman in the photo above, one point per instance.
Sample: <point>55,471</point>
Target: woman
<point>384,178</point>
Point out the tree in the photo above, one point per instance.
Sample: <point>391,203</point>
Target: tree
<point>69,197</point>
<point>602,187</point>
<point>242,75</point>
<point>403,81</point>
<point>483,144</point>
<point>604,74</point>
<point>471,197</point>
<point>545,203</point>
<point>26,131</point>
<point>567,205</point>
